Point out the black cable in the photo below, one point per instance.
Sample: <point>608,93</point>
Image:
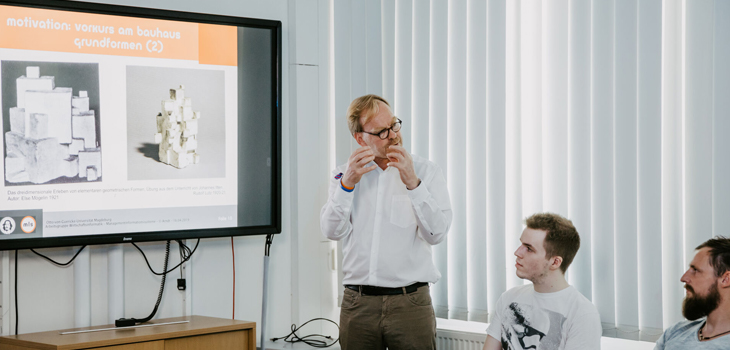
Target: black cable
<point>16,276</point>
<point>267,246</point>
<point>184,251</point>
<point>162,287</point>
<point>126,322</point>
<point>165,271</point>
<point>180,250</point>
<point>16,292</point>
<point>233,264</point>
<point>56,262</point>
<point>317,343</point>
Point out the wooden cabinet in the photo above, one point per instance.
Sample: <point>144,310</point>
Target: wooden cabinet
<point>198,333</point>
<point>148,345</point>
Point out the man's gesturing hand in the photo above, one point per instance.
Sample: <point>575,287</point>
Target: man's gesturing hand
<point>401,160</point>
<point>356,166</point>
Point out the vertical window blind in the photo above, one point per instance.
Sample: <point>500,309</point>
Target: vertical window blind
<point>613,113</point>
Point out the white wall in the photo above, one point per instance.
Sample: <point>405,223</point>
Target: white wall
<point>51,297</point>
<point>313,275</point>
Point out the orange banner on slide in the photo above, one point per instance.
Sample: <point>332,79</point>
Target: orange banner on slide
<point>218,44</point>
<point>66,31</point>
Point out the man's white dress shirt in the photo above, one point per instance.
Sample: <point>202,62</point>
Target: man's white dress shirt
<point>386,230</point>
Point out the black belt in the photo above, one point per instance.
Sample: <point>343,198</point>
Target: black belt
<point>372,290</point>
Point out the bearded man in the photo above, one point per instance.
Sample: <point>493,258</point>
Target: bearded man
<point>388,207</point>
<point>706,305</point>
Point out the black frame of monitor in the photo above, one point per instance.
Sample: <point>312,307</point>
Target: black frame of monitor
<point>171,15</point>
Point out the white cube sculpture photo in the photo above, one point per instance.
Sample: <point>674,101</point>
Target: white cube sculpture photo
<point>49,130</point>
<point>177,130</point>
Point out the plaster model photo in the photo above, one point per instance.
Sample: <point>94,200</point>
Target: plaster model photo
<point>175,123</point>
<point>177,130</point>
<point>50,123</point>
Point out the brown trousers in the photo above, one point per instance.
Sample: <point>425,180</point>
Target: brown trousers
<point>398,322</point>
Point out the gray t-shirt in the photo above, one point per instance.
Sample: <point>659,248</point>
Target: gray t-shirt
<point>683,335</point>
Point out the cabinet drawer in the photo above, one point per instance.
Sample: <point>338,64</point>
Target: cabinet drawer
<point>150,345</point>
<point>224,341</point>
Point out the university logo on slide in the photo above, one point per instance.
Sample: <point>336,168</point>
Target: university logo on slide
<point>7,225</point>
<point>28,224</point>
<point>26,221</point>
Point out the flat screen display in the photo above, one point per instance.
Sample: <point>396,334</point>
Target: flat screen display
<point>128,124</point>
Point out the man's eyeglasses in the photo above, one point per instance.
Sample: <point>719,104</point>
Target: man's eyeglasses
<point>383,134</point>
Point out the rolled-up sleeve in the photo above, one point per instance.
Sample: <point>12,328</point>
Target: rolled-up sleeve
<point>334,219</point>
<point>432,205</point>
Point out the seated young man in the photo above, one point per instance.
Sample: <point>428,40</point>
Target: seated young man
<point>706,305</point>
<point>549,313</point>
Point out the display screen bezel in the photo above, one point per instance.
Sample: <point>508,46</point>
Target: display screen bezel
<point>276,141</point>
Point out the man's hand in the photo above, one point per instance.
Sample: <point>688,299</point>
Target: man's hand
<point>356,166</point>
<point>401,160</point>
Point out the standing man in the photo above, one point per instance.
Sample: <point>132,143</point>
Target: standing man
<point>548,314</point>
<point>706,306</point>
<point>388,207</point>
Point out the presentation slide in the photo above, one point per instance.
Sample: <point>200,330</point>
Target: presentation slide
<point>115,124</point>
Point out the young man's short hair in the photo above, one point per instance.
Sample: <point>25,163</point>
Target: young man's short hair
<point>719,248</point>
<point>367,103</point>
<point>562,238</point>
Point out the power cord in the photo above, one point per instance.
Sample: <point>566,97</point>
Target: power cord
<point>267,245</point>
<point>56,262</point>
<point>16,277</point>
<point>233,257</point>
<point>185,255</point>
<point>16,292</point>
<point>185,252</point>
<point>126,322</point>
<point>317,343</point>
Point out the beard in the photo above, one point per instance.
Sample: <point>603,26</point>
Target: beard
<point>696,306</point>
